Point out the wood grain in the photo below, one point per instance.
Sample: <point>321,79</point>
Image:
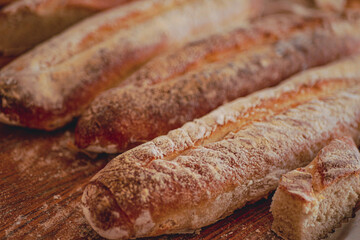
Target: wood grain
<point>42,177</point>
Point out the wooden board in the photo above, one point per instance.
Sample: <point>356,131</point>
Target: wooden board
<point>42,177</point>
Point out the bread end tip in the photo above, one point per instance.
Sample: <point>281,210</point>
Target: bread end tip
<point>103,214</point>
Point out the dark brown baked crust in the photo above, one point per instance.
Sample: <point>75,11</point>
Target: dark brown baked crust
<point>179,87</point>
<point>206,169</point>
<point>50,85</point>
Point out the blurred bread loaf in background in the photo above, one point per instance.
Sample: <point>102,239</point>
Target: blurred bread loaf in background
<point>180,86</point>
<point>50,85</point>
<point>26,23</point>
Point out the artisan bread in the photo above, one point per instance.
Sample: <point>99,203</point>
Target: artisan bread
<point>203,171</point>
<point>338,5</point>
<point>310,202</point>
<point>50,85</point>
<point>26,23</point>
<point>4,2</point>
<point>333,5</point>
<point>353,4</point>
<point>186,84</point>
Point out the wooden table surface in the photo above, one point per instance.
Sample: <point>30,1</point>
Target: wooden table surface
<point>42,177</point>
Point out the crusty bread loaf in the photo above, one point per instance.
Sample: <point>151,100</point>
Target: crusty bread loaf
<point>26,23</point>
<point>295,6</point>
<point>203,171</point>
<point>4,2</point>
<point>50,85</point>
<point>353,4</point>
<point>338,5</point>
<point>310,202</point>
<point>186,84</point>
<point>333,5</point>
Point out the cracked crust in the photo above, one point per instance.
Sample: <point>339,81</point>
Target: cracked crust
<point>203,171</point>
<point>338,5</point>
<point>333,5</point>
<point>53,83</point>
<point>181,86</point>
<point>311,201</point>
<point>337,160</point>
<point>5,2</point>
<point>26,23</point>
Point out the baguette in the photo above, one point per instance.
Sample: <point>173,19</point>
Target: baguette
<point>311,202</point>
<point>52,84</point>
<point>4,2</point>
<point>332,5</point>
<point>338,5</point>
<point>353,4</point>
<point>179,87</point>
<point>26,23</point>
<point>203,171</point>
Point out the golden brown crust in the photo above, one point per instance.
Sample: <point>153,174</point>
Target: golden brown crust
<point>312,201</point>
<point>97,4</point>
<point>197,54</point>
<point>338,5</point>
<point>334,162</point>
<point>182,86</point>
<point>203,171</point>
<point>97,53</point>
<point>26,23</point>
<point>339,159</point>
<point>353,4</point>
<point>298,183</point>
<point>332,5</point>
<point>4,2</point>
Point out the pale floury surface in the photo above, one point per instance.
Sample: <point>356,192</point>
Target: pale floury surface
<point>203,171</point>
<point>310,202</point>
<point>178,87</point>
<point>26,23</point>
<point>50,85</point>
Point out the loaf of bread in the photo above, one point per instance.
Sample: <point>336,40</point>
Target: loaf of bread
<point>26,23</point>
<point>338,5</point>
<point>353,4</point>
<point>333,5</point>
<point>183,85</point>
<point>310,202</point>
<point>203,171</point>
<point>53,83</point>
<point>4,2</point>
